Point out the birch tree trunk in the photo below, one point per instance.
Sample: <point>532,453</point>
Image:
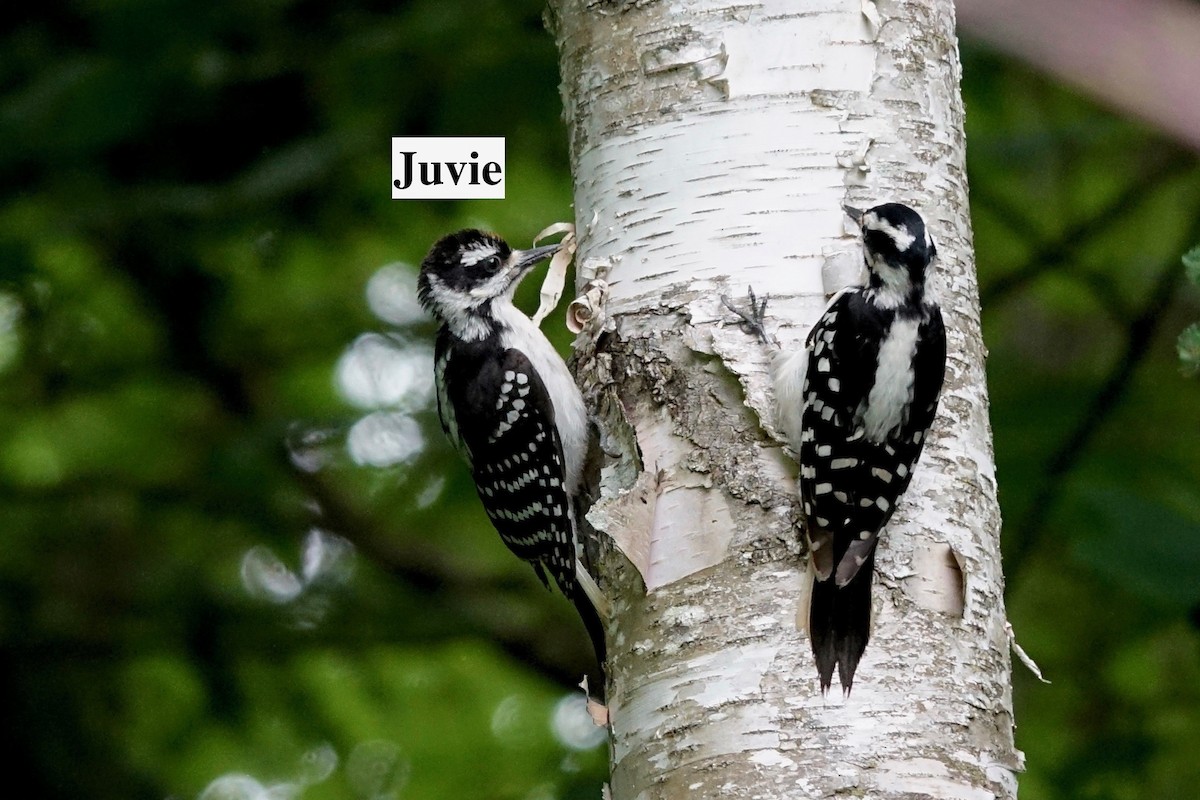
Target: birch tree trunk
<point>713,144</point>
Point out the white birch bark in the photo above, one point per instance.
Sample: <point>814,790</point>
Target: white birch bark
<point>713,143</point>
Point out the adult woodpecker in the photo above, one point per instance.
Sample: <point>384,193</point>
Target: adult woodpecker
<point>857,404</point>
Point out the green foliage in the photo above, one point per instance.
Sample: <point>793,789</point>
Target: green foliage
<point>196,199</point>
<point>1191,264</point>
<point>1141,545</point>
<point>1189,341</point>
<point>1189,350</point>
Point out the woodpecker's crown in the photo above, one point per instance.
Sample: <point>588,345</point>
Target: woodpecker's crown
<point>898,250</point>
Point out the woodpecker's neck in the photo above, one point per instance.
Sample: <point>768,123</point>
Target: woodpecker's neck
<point>485,321</point>
<point>468,323</point>
<point>893,289</point>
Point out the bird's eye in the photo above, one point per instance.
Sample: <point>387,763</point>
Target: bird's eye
<point>491,263</point>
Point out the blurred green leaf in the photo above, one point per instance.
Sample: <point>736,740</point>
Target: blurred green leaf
<point>1191,263</point>
<point>1146,547</point>
<point>1189,350</point>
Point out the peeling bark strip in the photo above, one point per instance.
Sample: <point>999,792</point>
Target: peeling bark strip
<point>713,144</point>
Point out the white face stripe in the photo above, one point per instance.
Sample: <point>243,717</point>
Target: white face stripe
<point>478,252</point>
<point>900,236</point>
<point>499,284</point>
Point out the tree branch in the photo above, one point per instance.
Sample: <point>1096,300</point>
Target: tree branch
<point>1049,254</point>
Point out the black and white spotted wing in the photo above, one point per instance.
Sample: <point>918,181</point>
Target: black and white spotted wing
<point>510,440</point>
<point>851,476</point>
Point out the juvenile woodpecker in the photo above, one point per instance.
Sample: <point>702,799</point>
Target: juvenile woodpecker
<point>866,387</point>
<point>510,406</point>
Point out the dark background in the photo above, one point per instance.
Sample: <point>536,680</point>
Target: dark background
<point>200,396</point>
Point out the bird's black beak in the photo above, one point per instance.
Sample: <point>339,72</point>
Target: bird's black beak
<point>854,214</point>
<point>521,261</point>
<point>524,259</point>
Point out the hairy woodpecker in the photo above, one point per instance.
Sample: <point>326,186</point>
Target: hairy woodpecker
<point>510,407</point>
<point>860,399</point>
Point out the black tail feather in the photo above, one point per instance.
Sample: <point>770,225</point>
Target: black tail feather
<point>839,623</point>
<point>591,622</point>
<point>595,629</point>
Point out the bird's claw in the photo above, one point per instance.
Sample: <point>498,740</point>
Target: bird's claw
<point>753,320</point>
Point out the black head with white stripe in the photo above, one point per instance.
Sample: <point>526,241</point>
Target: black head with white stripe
<point>898,250</point>
<point>466,272</point>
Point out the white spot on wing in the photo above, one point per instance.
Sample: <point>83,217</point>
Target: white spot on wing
<point>518,332</point>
